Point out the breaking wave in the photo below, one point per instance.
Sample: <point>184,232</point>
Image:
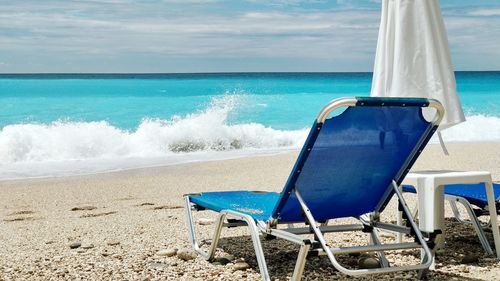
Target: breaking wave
<point>206,130</point>
<point>477,128</point>
<point>69,147</point>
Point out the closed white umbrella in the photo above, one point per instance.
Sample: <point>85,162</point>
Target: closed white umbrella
<point>413,57</point>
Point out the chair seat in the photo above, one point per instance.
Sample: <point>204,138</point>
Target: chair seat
<point>257,204</point>
<point>474,193</point>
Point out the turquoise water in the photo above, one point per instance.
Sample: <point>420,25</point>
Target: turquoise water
<point>282,101</point>
<point>55,118</point>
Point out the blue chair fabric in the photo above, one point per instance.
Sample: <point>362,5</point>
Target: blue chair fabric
<point>346,166</point>
<point>475,194</point>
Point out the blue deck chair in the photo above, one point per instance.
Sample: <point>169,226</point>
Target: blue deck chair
<point>350,166</point>
<point>468,195</point>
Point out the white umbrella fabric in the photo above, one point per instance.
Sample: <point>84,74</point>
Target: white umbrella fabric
<point>413,57</point>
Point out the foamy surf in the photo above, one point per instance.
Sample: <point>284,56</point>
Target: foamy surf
<point>68,147</point>
<point>71,148</point>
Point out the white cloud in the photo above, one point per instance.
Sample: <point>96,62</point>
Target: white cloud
<point>134,34</point>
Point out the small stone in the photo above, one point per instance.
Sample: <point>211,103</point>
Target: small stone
<point>241,266</point>
<point>229,257</point>
<point>75,245</point>
<point>87,246</point>
<point>113,243</point>
<point>186,254</point>
<point>469,258</point>
<point>222,261</point>
<point>368,263</point>
<point>203,221</point>
<point>167,252</point>
<point>80,251</point>
<point>440,253</point>
<point>49,242</point>
<point>84,208</point>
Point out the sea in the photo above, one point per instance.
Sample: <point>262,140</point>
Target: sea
<point>73,124</point>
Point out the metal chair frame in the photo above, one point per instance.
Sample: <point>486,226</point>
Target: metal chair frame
<point>473,219</point>
<point>368,222</point>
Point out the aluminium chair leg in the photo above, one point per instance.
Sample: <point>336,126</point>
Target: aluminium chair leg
<point>254,233</point>
<point>477,226</point>
<point>376,241</point>
<point>330,252</point>
<point>456,213</point>
<point>422,274</point>
<point>192,233</point>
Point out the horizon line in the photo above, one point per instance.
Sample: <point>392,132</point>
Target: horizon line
<point>215,72</point>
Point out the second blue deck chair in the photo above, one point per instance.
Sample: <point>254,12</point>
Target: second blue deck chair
<point>350,166</point>
<point>469,195</point>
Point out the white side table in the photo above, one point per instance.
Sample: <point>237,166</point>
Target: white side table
<point>430,192</point>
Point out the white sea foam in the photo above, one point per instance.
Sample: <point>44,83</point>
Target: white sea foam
<point>477,128</point>
<point>71,146</point>
<point>68,147</point>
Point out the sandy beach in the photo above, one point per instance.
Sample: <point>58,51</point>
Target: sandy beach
<point>118,226</point>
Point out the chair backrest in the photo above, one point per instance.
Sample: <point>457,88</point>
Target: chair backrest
<point>349,161</point>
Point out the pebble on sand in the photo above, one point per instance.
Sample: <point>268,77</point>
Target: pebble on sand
<point>241,266</point>
<point>221,261</point>
<point>469,258</point>
<point>368,263</point>
<point>83,208</point>
<point>75,245</point>
<point>204,221</point>
<point>167,252</point>
<point>113,243</point>
<point>186,254</point>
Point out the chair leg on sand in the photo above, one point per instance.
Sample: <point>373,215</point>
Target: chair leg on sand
<point>371,223</point>
<point>193,237</point>
<point>456,212</point>
<point>377,247</point>
<point>376,241</point>
<point>473,220</point>
<point>254,233</point>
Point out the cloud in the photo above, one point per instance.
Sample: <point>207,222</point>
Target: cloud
<point>211,35</point>
<point>98,32</point>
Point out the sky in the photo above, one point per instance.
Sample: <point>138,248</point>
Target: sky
<point>125,36</point>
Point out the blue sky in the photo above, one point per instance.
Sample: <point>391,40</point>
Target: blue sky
<point>219,36</point>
